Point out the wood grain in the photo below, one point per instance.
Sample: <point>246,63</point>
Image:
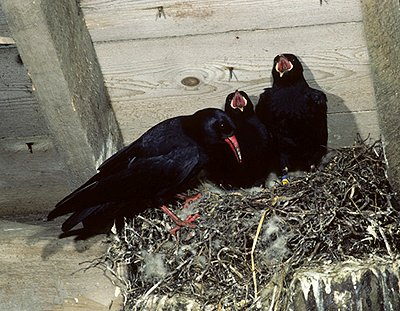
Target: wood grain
<point>113,20</point>
<point>144,76</point>
<point>4,30</point>
<point>30,181</point>
<point>382,28</point>
<point>343,128</point>
<point>19,109</point>
<point>57,51</point>
<point>41,272</point>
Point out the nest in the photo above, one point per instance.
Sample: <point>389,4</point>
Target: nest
<point>244,238</point>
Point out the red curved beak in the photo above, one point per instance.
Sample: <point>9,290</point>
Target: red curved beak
<point>232,142</point>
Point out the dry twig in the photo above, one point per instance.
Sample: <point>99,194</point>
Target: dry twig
<point>342,211</point>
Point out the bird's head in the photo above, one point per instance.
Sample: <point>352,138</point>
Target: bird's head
<point>238,103</point>
<point>212,127</point>
<point>286,68</point>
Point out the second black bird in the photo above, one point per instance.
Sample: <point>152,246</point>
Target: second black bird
<point>259,158</point>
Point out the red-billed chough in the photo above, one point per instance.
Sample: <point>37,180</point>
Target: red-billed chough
<point>295,114</point>
<point>258,154</point>
<point>149,172</point>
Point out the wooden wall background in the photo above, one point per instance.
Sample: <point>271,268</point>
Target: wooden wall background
<point>28,181</point>
<point>146,48</point>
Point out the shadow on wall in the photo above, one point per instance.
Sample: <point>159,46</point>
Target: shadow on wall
<point>342,126</point>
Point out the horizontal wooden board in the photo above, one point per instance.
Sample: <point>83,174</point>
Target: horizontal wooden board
<point>144,76</point>
<point>41,272</point>
<point>111,20</point>
<point>344,128</point>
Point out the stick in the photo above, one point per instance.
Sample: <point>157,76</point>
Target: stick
<point>253,266</point>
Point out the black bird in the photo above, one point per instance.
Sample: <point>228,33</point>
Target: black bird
<point>295,114</point>
<point>149,172</point>
<point>255,144</point>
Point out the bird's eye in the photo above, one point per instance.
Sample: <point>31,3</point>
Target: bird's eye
<point>224,128</point>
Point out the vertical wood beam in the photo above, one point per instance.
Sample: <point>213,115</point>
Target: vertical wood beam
<point>58,53</point>
<point>382,29</point>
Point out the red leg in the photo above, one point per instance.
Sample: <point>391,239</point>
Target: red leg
<point>176,219</point>
<point>189,219</point>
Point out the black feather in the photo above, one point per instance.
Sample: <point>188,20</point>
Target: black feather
<point>148,172</point>
<point>258,153</point>
<point>295,114</point>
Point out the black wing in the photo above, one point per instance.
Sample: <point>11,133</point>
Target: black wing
<point>144,180</point>
<point>263,106</point>
<point>151,143</point>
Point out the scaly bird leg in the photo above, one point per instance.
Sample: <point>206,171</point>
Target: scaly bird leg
<point>190,218</point>
<point>188,200</point>
<point>176,219</point>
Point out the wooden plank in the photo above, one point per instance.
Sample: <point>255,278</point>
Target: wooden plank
<point>147,88</point>
<point>343,128</point>
<point>382,28</point>
<point>58,53</point>
<point>41,272</point>
<point>113,20</point>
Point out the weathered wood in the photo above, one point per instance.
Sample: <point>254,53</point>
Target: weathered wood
<point>114,20</point>
<point>30,182</point>
<point>4,29</point>
<point>40,272</point>
<point>147,88</point>
<point>343,128</point>
<point>382,27</point>
<point>19,109</point>
<point>57,51</point>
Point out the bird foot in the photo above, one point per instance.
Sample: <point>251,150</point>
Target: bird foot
<point>186,223</point>
<point>190,218</point>
<point>179,222</point>
<point>188,199</point>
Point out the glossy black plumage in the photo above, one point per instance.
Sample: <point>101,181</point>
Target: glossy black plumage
<point>255,143</point>
<point>295,114</point>
<point>148,172</point>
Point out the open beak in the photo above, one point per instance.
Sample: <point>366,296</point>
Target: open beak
<point>232,142</point>
<point>283,65</point>
<point>238,101</point>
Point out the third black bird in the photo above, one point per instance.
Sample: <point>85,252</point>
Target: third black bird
<point>295,114</point>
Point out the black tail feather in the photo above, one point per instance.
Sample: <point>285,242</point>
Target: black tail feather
<point>94,217</point>
<point>74,201</point>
